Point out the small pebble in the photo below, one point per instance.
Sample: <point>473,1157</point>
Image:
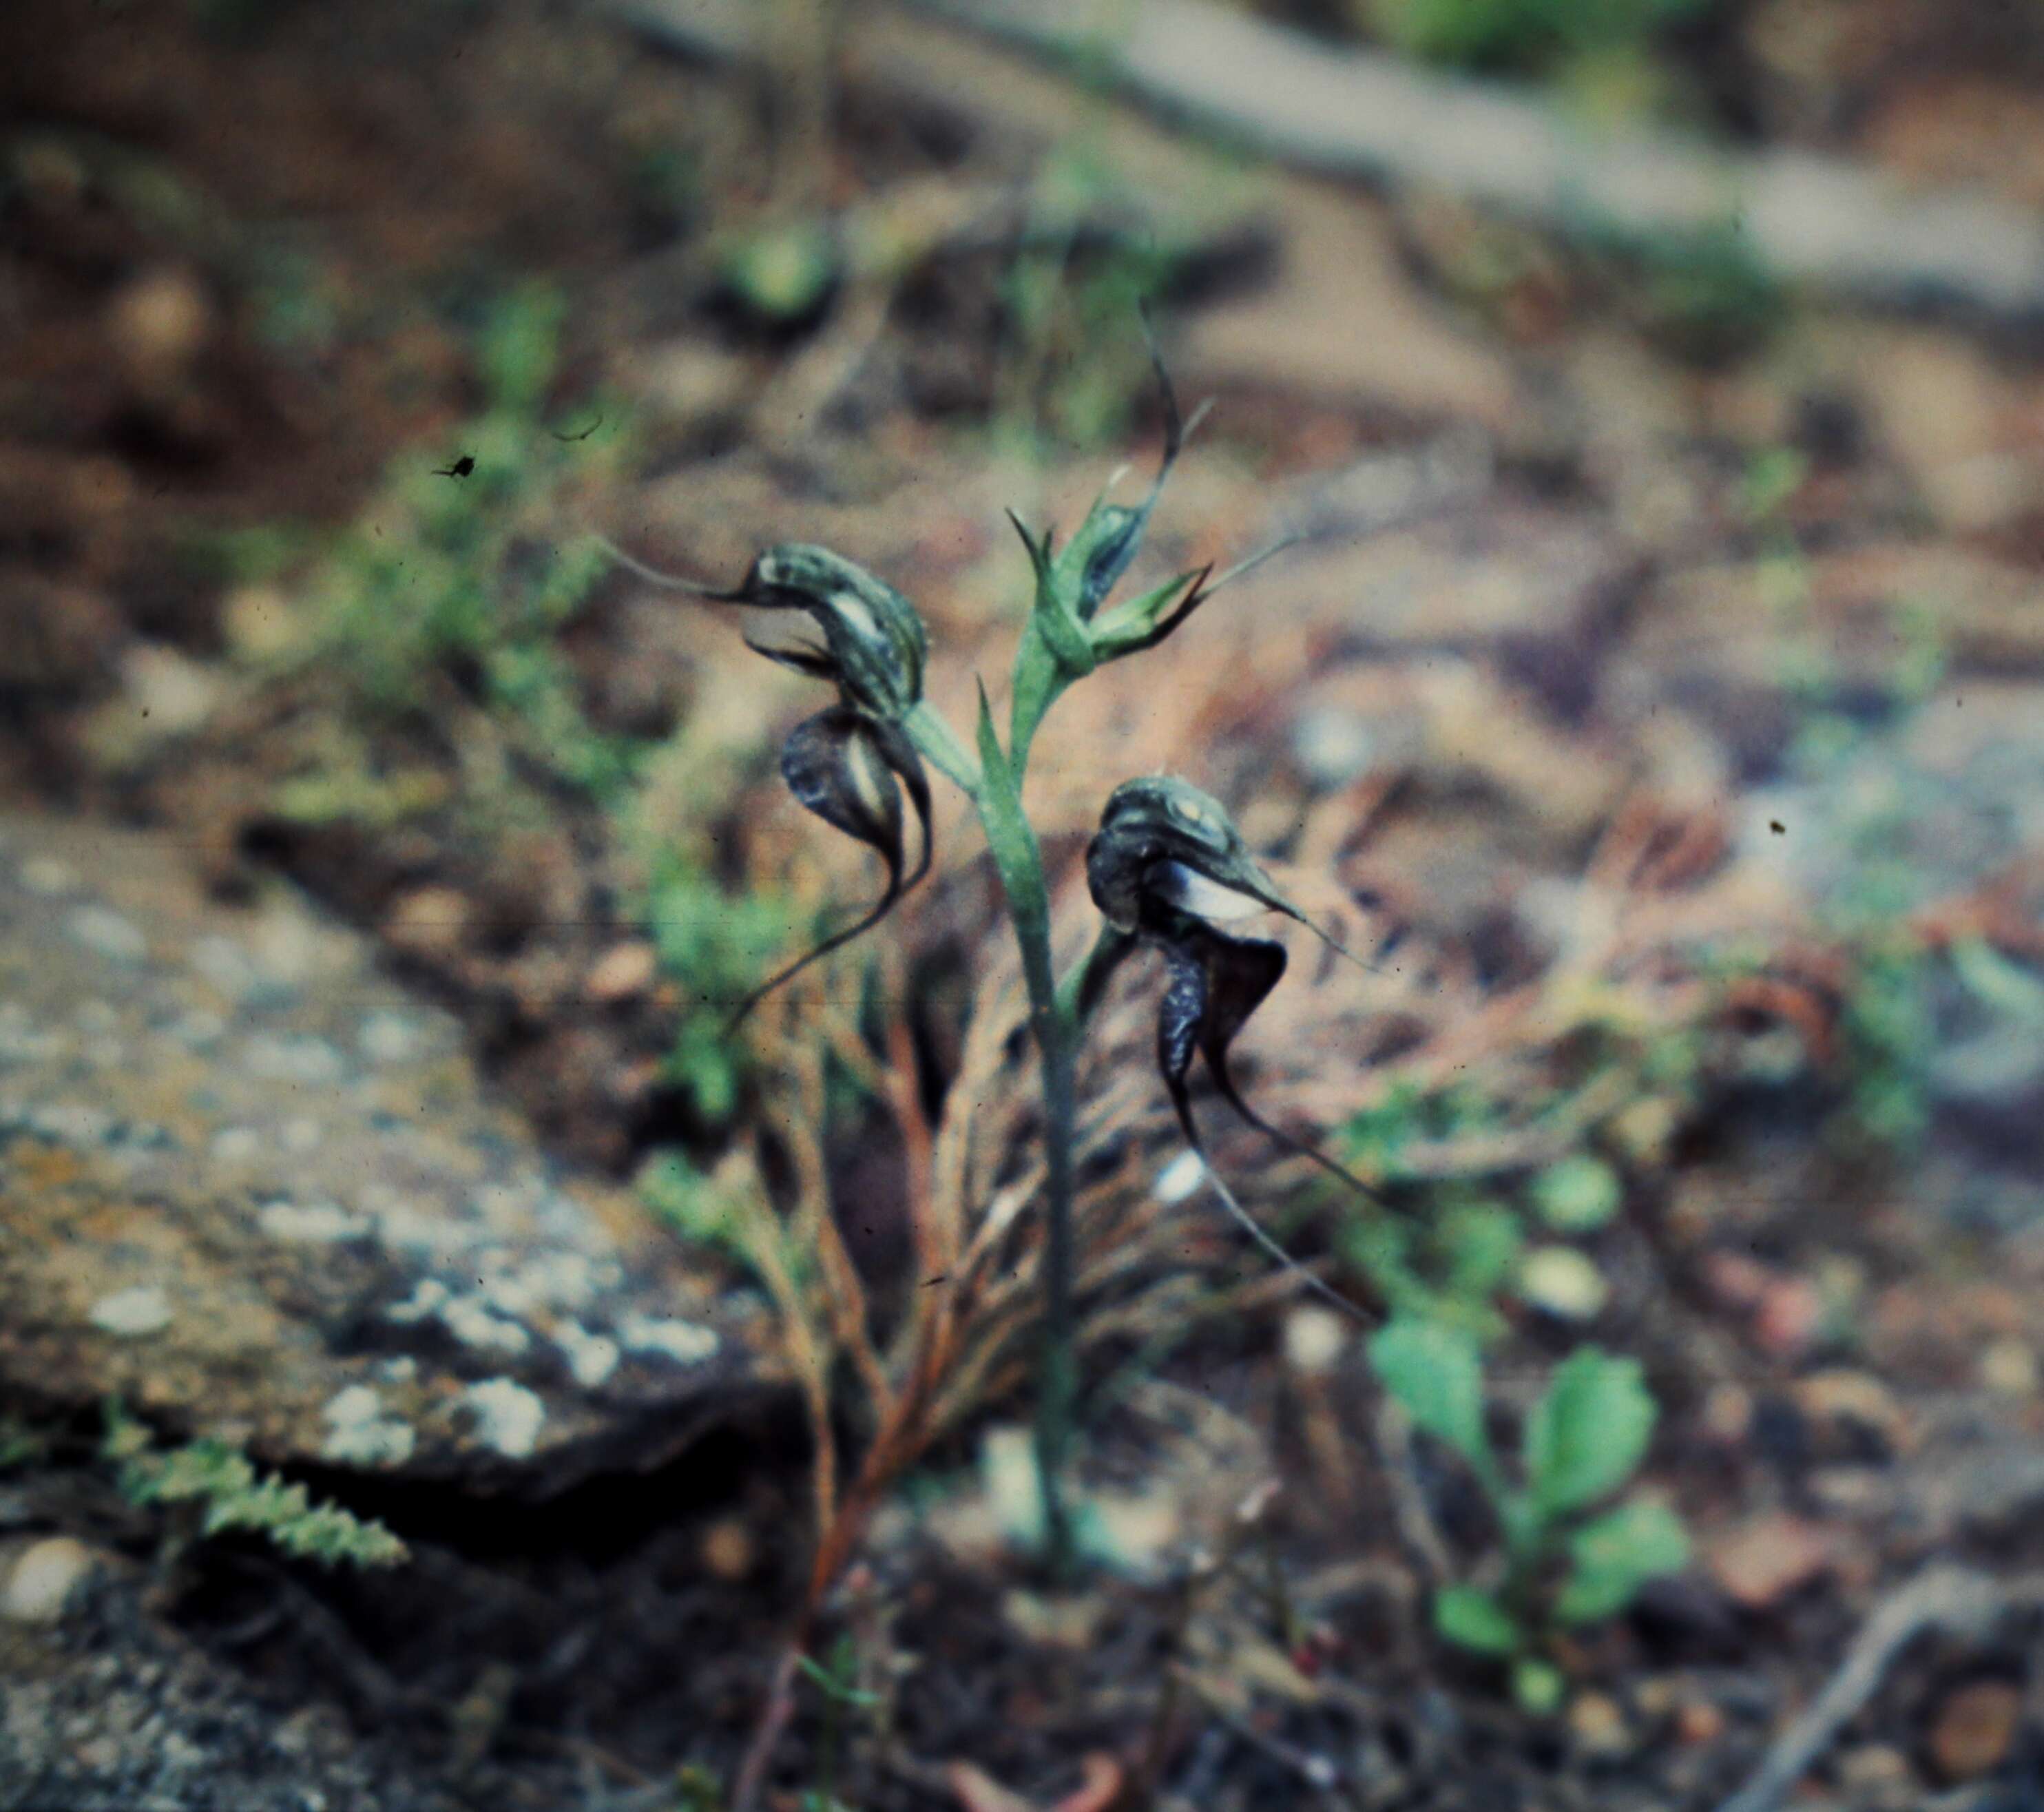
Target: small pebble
<point>1314,1341</point>
<point>104,932</point>
<point>507,1417</point>
<point>1698,1723</point>
<point>1564,1282</point>
<point>142,1308</point>
<point>159,321</point>
<point>683,1341</point>
<point>43,1578</point>
<point>1975,1728</point>
<point>1764,1560</point>
<point>1332,747</point>
<point>1598,1725</point>
<point>2010,1368</point>
<point>728,1550</point>
<point>622,973</point>
<point>1180,1179</point>
<point>388,1038</point>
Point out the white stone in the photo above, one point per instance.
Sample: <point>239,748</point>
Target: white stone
<point>683,1340</point>
<point>224,963</point>
<point>43,1579</point>
<point>426,1298</point>
<point>140,1309</point>
<point>1180,1179</point>
<point>358,1433</point>
<point>386,1037</point>
<point>507,1417</point>
<point>48,877</point>
<point>1564,1282</point>
<point>199,1029</point>
<point>1314,1339</point>
<point>236,1144</point>
<point>591,1357</point>
<point>553,1279</point>
<point>104,932</point>
<point>469,1319</point>
<point>298,1057</point>
<point>313,1223</point>
<point>73,1123</point>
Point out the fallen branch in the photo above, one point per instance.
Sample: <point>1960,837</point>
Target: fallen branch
<point>1955,1600</point>
<point>1356,113</point>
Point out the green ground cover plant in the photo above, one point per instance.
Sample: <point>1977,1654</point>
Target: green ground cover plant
<point>1558,1564</point>
<point>216,1489</point>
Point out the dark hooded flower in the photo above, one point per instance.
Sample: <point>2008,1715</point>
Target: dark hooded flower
<point>1167,866</point>
<point>1164,850</point>
<point>874,645</point>
<point>842,765</point>
<point>848,764</point>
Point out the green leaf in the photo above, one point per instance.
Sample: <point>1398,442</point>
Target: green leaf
<point>1589,1430</point>
<point>1471,1618</point>
<point>1613,1555</point>
<point>833,1684</point>
<point>993,757</point>
<point>1016,854</point>
<point>783,273</point>
<point>1482,1240</point>
<point>1578,1195</point>
<point>1537,1685</point>
<point>1436,1374</point>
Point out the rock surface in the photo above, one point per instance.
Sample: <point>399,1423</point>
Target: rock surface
<point>110,1709</point>
<point>253,1189</point>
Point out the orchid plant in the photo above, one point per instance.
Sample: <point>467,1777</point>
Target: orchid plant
<point>1167,868</point>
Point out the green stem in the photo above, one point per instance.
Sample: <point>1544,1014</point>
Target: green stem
<point>1057,1407</point>
<point>1018,858</point>
<point>931,733</point>
<point>1020,861</point>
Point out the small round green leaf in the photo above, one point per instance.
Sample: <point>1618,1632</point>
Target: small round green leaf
<point>1578,1195</point>
<point>1471,1618</point>
<point>1538,1686</point>
<point>1436,1374</point>
<point>1588,1431</point>
<point>1612,1556</point>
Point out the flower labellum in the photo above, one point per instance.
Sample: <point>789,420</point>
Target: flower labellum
<point>842,765</point>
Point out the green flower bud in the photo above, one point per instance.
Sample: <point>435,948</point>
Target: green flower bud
<point>1108,541</point>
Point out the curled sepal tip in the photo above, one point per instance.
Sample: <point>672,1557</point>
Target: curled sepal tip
<point>1216,982</point>
<point>843,766</point>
